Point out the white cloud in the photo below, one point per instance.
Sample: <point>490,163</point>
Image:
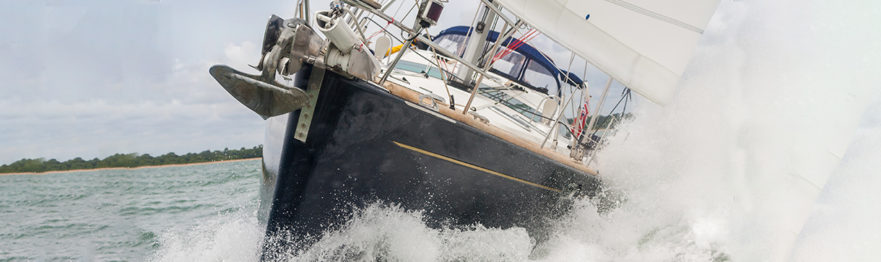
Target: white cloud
<point>184,111</point>
<point>98,128</point>
<point>242,54</point>
<point>125,77</point>
<point>133,77</point>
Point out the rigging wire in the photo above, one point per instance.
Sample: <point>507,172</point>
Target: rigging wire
<point>625,97</point>
<point>443,72</point>
<point>471,26</point>
<point>417,53</point>
<point>510,47</point>
<point>415,4</point>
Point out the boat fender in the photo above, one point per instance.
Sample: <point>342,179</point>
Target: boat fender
<point>382,46</point>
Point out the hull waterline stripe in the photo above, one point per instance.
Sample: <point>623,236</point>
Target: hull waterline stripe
<point>448,159</point>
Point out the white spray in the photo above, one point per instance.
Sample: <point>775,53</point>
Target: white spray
<point>732,168</point>
<point>728,171</point>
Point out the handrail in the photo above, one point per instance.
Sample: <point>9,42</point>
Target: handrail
<point>410,31</point>
<point>430,61</point>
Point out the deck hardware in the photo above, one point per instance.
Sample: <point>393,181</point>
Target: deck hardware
<point>430,111</point>
<point>431,104</point>
<point>308,111</point>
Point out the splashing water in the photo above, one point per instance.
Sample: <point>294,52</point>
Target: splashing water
<point>844,226</point>
<point>728,171</point>
<point>731,169</point>
<point>231,237</point>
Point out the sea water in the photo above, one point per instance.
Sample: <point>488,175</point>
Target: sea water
<point>780,99</point>
<point>125,214</point>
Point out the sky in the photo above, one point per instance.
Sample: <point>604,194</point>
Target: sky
<point>91,78</point>
<point>94,78</point>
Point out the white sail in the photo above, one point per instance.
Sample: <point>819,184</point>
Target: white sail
<point>644,44</point>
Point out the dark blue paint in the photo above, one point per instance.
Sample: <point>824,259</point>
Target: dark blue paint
<point>349,161</point>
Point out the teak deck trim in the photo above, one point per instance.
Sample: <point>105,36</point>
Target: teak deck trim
<point>470,120</point>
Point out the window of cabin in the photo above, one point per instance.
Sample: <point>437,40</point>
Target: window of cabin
<point>510,65</point>
<point>452,43</point>
<point>538,76</point>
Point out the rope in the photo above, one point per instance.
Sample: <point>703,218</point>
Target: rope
<point>529,35</point>
<point>381,30</point>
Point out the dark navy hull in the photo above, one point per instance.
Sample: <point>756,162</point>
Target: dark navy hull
<point>366,146</point>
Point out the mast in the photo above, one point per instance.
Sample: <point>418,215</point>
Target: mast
<point>476,42</point>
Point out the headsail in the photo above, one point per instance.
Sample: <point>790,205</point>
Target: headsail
<point>643,44</point>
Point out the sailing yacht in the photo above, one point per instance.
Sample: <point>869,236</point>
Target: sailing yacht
<point>465,125</point>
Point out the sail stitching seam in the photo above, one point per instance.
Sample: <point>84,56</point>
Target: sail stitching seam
<point>655,15</point>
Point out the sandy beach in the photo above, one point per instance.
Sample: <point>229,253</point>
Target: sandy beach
<point>124,168</point>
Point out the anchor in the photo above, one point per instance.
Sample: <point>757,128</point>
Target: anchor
<point>287,46</point>
<point>262,93</point>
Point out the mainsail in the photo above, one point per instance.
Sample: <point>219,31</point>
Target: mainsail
<point>644,44</point>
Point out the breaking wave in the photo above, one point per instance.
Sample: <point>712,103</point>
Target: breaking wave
<point>730,170</point>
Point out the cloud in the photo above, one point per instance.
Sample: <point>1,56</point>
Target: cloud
<point>242,55</point>
<point>124,77</point>
<point>133,76</point>
<point>98,128</point>
<point>208,119</point>
<point>185,110</point>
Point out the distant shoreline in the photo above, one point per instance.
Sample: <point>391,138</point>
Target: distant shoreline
<point>126,168</point>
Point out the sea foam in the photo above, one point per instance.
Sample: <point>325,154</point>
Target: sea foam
<point>730,170</point>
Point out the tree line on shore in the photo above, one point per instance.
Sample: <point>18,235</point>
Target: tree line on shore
<point>130,160</point>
